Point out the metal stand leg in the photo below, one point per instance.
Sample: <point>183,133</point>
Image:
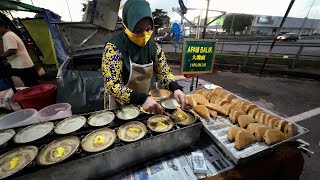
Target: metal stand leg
<point>197,81</point>
<point>191,86</point>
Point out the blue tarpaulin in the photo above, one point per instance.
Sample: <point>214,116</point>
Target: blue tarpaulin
<point>51,18</point>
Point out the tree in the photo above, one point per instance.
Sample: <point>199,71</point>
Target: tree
<point>241,21</point>
<point>161,18</point>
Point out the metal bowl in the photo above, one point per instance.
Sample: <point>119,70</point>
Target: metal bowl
<point>163,94</point>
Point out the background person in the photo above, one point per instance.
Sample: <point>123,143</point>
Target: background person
<point>18,56</point>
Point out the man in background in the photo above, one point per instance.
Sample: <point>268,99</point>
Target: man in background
<point>18,56</point>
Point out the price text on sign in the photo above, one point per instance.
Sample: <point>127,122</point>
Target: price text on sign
<point>198,56</point>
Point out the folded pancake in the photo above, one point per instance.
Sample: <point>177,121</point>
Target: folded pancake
<point>245,120</point>
<point>280,125</point>
<point>213,98</point>
<point>235,115</point>
<point>229,97</point>
<point>262,118</point>
<point>272,122</point>
<point>238,104</point>
<point>217,90</point>
<point>253,112</point>
<point>191,101</point>
<point>222,93</point>
<point>203,111</point>
<point>222,102</point>
<point>199,91</point>
<point>213,113</point>
<point>244,104</point>
<point>235,101</point>
<point>218,100</point>
<point>290,130</point>
<point>269,116</point>
<point>217,108</point>
<point>249,107</point>
<point>259,131</point>
<point>232,132</point>
<point>272,136</point>
<point>205,94</point>
<point>210,95</point>
<point>236,109</point>
<point>243,138</point>
<point>228,107</point>
<point>201,100</point>
<point>252,126</point>
<point>257,116</point>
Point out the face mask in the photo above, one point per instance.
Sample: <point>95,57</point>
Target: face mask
<point>139,39</point>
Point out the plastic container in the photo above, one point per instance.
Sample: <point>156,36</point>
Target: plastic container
<point>37,97</point>
<point>19,118</point>
<point>55,111</point>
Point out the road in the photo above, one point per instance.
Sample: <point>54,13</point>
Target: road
<point>283,96</point>
<point>280,47</point>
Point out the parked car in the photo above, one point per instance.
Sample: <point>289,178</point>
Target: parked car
<point>166,37</point>
<point>79,78</point>
<point>288,37</point>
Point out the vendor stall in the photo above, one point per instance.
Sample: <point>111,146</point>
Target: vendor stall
<point>129,143</point>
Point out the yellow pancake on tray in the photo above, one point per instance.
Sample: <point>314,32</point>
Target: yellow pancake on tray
<point>159,123</point>
<point>132,131</point>
<point>189,120</point>
<point>17,159</point>
<point>58,150</point>
<point>98,140</point>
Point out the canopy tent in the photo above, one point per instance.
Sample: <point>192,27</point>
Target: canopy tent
<point>50,18</point>
<point>8,5</point>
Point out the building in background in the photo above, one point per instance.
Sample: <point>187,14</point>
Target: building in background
<point>267,25</point>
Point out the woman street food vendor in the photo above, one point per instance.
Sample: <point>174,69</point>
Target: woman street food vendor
<point>130,60</point>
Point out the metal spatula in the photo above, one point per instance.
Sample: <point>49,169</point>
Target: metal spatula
<point>156,92</point>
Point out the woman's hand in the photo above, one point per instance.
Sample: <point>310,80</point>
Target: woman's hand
<point>151,106</point>
<point>180,97</point>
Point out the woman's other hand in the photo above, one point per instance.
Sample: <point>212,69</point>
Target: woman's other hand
<point>180,97</point>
